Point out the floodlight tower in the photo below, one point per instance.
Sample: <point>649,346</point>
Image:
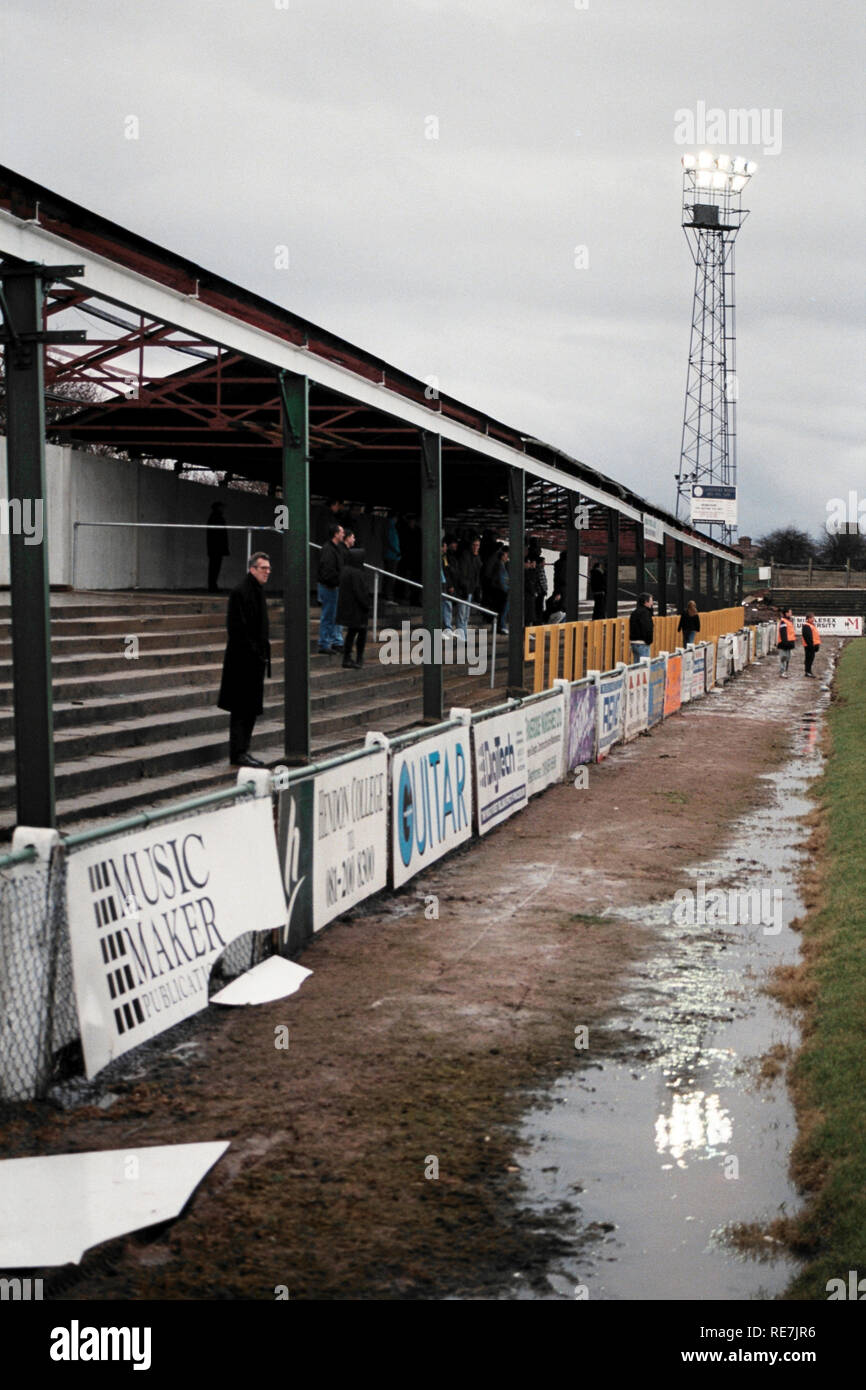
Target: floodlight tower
<point>712,216</point>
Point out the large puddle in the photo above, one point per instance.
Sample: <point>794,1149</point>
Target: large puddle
<point>658,1154</point>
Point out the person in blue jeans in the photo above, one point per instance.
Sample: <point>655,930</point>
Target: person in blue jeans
<point>690,624</point>
<point>640,628</point>
<point>330,565</point>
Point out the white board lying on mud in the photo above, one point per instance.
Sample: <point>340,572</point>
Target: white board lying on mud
<point>274,978</point>
<point>55,1208</point>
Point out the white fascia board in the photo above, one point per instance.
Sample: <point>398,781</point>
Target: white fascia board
<point>129,289</point>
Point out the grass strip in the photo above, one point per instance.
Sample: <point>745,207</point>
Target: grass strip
<point>829,1074</point>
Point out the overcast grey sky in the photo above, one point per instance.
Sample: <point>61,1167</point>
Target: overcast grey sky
<point>307,124</point>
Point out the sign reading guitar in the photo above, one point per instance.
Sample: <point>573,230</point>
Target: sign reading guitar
<point>350,851</point>
<point>500,768</point>
<point>149,913</point>
<point>431,791</point>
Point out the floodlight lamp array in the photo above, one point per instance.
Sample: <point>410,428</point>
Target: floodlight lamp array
<point>723,173</point>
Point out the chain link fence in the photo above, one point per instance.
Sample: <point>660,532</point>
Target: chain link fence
<point>38,1014</point>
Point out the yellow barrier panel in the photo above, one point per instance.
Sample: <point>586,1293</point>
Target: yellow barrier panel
<point>599,645</point>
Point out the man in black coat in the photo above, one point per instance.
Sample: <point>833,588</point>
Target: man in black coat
<point>598,590</point>
<point>353,606</point>
<point>640,628</point>
<point>247,658</point>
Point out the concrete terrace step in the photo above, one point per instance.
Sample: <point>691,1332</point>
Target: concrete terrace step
<point>137,751</point>
<point>194,710</point>
<point>82,804</point>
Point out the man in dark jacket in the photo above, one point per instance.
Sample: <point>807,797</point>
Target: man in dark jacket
<point>217,538</point>
<point>353,606</point>
<point>247,658</point>
<point>640,628</point>
<point>331,559</point>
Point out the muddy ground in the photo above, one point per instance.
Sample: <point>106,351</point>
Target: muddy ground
<point>416,1040</point>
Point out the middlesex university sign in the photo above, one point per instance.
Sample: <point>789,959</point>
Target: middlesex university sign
<point>149,913</point>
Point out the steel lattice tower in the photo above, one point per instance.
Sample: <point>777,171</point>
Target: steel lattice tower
<point>712,214</point>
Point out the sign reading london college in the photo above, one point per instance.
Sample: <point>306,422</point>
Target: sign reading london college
<point>150,912</point>
<point>545,741</point>
<point>431,795</point>
<point>500,768</point>
<point>350,819</point>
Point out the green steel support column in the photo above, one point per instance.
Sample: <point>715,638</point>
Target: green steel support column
<point>662,563</point>
<point>29,585</point>
<point>431,568</point>
<point>572,567</point>
<point>639,560</point>
<point>295,394</point>
<point>679,561</point>
<point>612,566</point>
<point>517,608</point>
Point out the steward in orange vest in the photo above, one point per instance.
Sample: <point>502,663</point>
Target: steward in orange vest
<point>787,641</point>
<point>811,641</point>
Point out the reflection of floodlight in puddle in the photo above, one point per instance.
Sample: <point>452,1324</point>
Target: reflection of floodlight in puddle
<point>696,1125</point>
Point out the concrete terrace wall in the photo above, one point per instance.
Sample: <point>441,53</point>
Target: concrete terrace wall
<point>90,487</point>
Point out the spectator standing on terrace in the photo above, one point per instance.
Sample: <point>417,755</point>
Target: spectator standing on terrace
<point>330,567</point>
<point>217,545</point>
<point>465,576</point>
<point>786,642</point>
<point>640,628</point>
<point>530,588</point>
<point>447,590</point>
<point>811,641</point>
<point>689,624</point>
<point>247,658</point>
<point>353,606</point>
<point>540,579</point>
<point>598,590</point>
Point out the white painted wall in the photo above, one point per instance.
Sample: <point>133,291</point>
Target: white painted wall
<point>89,487</point>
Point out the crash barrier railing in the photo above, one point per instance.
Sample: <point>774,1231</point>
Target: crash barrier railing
<point>109,934</point>
<point>38,1017</point>
<point>250,531</point>
<point>568,650</point>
